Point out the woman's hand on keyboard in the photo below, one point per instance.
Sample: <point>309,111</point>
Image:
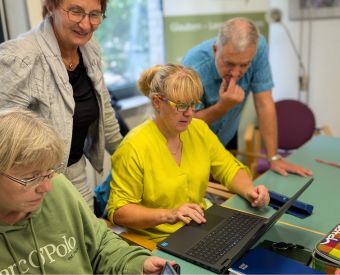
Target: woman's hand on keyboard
<point>186,213</point>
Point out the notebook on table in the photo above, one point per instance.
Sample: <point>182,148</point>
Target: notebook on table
<point>224,238</point>
<point>275,263</point>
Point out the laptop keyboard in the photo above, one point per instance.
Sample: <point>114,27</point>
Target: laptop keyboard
<point>223,238</point>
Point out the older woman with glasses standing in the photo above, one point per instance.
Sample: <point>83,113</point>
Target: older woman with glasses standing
<point>55,70</point>
<point>45,225</point>
<point>161,169</point>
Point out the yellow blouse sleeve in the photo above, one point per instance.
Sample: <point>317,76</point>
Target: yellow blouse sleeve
<point>127,178</point>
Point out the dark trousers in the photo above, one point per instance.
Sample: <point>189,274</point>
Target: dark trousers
<point>232,144</point>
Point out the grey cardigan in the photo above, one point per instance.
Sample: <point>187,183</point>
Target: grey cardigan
<point>33,76</point>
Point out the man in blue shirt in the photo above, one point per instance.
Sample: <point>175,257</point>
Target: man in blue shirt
<point>230,67</point>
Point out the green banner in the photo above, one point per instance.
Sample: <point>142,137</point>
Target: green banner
<point>184,32</point>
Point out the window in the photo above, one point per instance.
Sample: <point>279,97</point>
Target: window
<point>131,39</point>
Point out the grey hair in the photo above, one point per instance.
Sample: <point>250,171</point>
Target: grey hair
<point>27,140</point>
<point>241,32</point>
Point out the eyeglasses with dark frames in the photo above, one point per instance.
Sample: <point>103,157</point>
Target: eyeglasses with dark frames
<point>180,106</point>
<point>35,181</point>
<point>76,15</point>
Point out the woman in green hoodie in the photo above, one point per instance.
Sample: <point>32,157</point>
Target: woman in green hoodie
<point>46,226</point>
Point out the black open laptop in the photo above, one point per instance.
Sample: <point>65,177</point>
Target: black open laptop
<point>224,238</point>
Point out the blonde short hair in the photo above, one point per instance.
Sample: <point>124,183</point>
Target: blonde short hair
<point>26,140</point>
<point>175,82</point>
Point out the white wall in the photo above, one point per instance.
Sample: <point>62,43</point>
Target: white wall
<point>16,16</point>
<point>320,54</point>
<point>204,7</point>
<point>34,8</point>
<point>22,15</point>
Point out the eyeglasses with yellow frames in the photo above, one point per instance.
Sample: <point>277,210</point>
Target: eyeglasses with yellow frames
<point>180,106</point>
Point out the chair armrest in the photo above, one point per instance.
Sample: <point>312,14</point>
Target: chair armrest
<point>249,134</point>
<point>131,238</point>
<point>252,143</point>
<point>219,190</point>
<point>138,239</point>
<point>249,154</point>
<point>326,130</point>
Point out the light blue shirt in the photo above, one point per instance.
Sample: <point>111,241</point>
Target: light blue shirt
<point>258,78</point>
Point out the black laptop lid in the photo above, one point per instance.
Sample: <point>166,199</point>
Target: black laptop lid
<point>273,219</point>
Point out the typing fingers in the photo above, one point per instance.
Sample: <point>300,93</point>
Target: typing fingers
<point>197,208</point>
<point>191,212</point>
<point>197,217</point>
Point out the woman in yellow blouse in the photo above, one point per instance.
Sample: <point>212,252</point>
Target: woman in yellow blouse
<point>161,170</point>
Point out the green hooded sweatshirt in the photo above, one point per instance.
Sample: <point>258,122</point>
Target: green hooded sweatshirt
<point>64,236</point>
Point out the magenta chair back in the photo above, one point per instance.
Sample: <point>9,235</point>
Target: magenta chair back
<point>296,125</point>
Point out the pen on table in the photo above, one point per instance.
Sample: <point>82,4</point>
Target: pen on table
<point>328,163</point>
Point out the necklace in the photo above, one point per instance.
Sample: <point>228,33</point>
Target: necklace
<point>70,64</point>
<point>177,148</point>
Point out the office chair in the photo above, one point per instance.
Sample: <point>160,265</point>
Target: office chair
<point>296,125</point>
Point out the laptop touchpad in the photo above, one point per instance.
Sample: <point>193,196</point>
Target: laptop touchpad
<point>212,221</point>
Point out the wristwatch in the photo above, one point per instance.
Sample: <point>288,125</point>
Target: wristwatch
<point>275,157</point>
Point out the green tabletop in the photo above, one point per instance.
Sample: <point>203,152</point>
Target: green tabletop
<point>281,232</point>
<point>323,194</point>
